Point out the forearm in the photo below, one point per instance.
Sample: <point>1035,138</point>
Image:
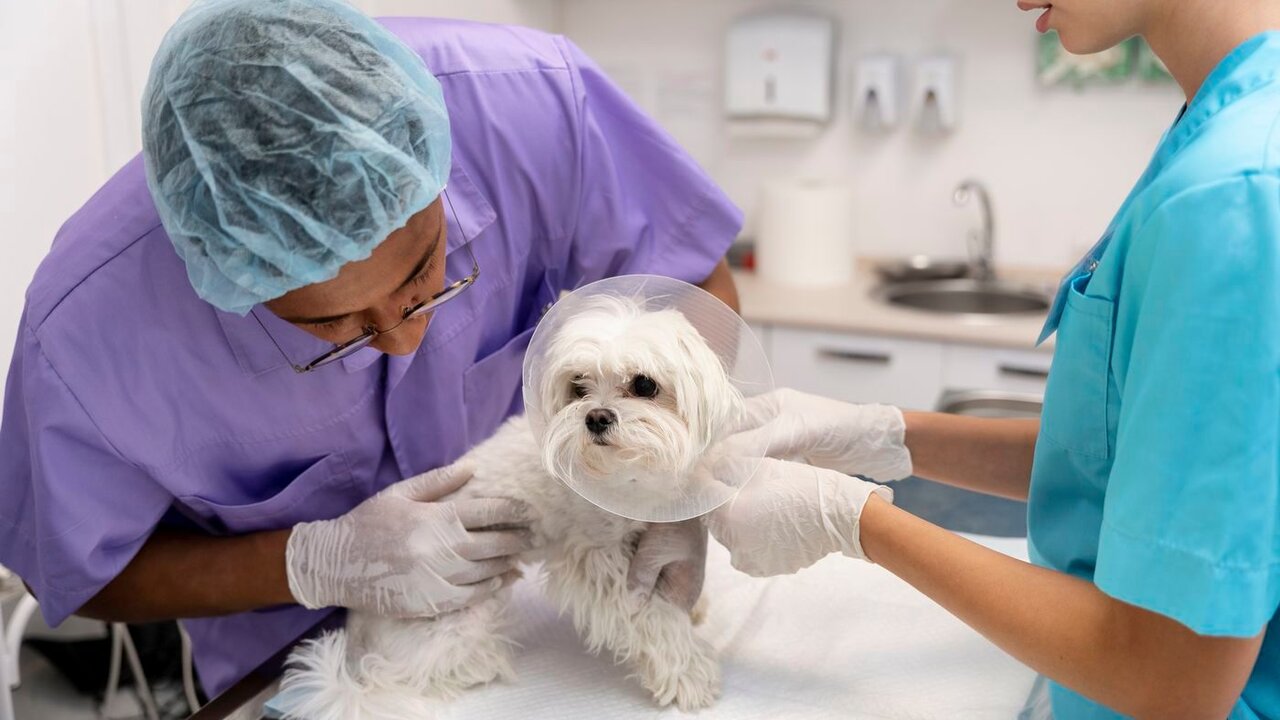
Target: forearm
<point>179,575</point>
<point>1134,661</point>
<point>988,455</point>
<point>720,283</point>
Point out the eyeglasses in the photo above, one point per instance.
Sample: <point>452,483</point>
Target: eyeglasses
<point>347,349</point>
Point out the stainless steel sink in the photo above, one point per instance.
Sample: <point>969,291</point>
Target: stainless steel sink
<point>966,297</point>
<point>982,293</point>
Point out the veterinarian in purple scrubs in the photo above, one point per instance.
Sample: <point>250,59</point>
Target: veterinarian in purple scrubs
<point>333,320</point>
<point>1152,476</point>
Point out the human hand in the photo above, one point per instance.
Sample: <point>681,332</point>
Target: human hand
<point>406,553</point>
<point>672,559</point>
<point>791,515</point>
<point>866,440</point>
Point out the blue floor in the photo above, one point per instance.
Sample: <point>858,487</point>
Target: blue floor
<point>960,510</point>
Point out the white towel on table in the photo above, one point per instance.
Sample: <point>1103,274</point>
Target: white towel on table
<point>842,639</point>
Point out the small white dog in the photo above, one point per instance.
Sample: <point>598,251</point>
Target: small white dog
<point>631,396</point>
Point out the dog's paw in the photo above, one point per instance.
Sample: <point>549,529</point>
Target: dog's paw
<point>690,681</point>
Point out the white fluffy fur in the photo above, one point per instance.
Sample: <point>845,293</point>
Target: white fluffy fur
<point>658,441</point>
<point>387,669</point>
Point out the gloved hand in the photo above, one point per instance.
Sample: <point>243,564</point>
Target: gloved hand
<point>790,515</point>
<point>402,553</point>
<point>867,440</point>
<point>671,558</point>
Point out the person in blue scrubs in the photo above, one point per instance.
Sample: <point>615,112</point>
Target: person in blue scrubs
<point>1153,475</point>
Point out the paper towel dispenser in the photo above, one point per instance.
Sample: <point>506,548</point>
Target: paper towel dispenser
<point>780,66</point>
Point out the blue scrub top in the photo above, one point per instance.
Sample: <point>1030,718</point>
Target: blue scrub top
<point>1157,469</point>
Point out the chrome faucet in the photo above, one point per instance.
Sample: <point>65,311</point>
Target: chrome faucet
<point>981,242</point>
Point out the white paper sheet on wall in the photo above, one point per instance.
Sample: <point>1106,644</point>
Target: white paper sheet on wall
<point>688,106</point>
<point>632,80</point>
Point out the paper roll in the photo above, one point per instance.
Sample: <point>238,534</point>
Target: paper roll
<point>806,234</point>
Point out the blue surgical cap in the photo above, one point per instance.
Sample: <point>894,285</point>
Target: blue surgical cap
<point>284,139</point>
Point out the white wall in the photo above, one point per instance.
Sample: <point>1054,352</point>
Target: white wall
<point>52,137</point>
<point>534,13</point>
<point>71,80</point>
<point>1058,162</point>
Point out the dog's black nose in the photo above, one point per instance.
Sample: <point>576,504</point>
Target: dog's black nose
<point>599,420</point>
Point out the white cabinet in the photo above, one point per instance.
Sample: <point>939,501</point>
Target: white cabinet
<point>857,368</point>
<point>909,373</point>
<point>967,367</point>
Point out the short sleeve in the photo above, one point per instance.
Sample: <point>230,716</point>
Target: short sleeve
<point>72,512</point>
<point>643,205</point>
<point>1191,520</point>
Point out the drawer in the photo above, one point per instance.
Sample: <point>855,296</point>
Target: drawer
<point>857,368</point>
<point>983,368</point>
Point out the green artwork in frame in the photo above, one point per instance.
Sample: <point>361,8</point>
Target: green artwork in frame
<point>1150,67</point>
<point>1055,66</point>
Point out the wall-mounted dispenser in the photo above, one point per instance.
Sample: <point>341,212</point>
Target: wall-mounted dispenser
<point>936,94</point>
<point>877,93</point>
<point>778,74</point>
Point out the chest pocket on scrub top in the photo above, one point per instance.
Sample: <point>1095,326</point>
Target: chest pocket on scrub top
<point>323,490</point>
<point>1077,394</point>
<point>491,388</point>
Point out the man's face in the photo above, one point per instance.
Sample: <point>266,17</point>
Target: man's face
<point>407,268</point>
<point>1090,26</point>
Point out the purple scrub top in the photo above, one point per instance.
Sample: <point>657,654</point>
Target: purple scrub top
<point>132,404</point>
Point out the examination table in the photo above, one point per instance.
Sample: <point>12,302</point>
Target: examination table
<point>842,639</point>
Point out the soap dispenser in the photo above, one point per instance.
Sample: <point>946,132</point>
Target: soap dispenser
<point>936,94</point>
<point>876,93</point>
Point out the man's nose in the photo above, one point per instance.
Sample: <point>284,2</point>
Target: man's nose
<point>397,337</point>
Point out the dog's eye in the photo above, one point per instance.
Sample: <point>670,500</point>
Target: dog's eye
<point>579,390</point>
<point>643,386</point>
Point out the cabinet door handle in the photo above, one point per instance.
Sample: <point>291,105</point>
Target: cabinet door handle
<point>855,356</point>
<point>1024,372</point>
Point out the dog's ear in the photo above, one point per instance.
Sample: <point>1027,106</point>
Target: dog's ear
<point>550,393</point>
<point>709,401</point>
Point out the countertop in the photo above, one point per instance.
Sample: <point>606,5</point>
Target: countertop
<point>851,308</point>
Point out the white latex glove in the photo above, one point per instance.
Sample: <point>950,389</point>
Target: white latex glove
<point>866,440</point>
<point>790,516</point>
<point>672,559</point>
<point>403,554</point>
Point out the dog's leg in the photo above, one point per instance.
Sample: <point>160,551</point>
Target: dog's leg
<point>657,640</point>
<point>673,661</point>
<point>388,669</point>
<point>437,657</point>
